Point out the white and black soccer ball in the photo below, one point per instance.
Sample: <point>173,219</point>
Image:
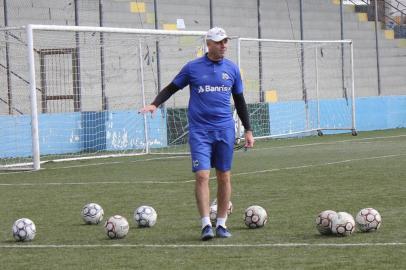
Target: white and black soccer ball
<point>145,216</point>
<point>213,210</point>
<point>255,217</point>
<point>116,227</point>
<point>368,219</point>
<point>342,224</point>
<point>24,229</point>
<point>92,213</point>
<point>323,221</point>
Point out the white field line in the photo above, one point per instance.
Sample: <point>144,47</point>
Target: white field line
<point>362,140</point>
<point>193,180</point>
<point>118,162</point>
<point>318,165</point>
<point>183,156</point>
<point>99,164</point>
<point>94,183</point>
<point>275,245</point>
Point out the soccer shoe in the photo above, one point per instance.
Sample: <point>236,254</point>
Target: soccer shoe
<point>207,233</point>
<point>222,232</point>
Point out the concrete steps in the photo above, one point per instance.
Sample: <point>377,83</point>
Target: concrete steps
<point>280,20</point>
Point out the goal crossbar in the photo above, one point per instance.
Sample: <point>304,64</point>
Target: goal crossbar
<point>114,30</point>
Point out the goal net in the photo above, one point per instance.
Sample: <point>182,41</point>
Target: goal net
<point>15,111</point>
<point>298,87</point>
<point>87,85</point>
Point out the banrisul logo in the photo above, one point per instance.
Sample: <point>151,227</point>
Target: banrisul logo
<point>209,88</point>
<point>225,76</point>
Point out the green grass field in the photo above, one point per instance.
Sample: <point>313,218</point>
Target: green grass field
<point>293,179</point>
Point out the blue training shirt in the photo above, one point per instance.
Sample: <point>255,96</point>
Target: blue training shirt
<point>211,85</point>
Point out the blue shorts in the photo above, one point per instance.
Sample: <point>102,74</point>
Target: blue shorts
<point>212,148</point>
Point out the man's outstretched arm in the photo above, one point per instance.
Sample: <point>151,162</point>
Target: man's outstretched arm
<point>163,96</point>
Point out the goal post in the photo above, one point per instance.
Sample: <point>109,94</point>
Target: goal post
<point>298,86</point>
<point>33,100</point>
<point>16,147</point>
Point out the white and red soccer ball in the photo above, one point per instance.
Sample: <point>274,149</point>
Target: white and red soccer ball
<point>323,221</point>
<point>116,227</point>
<point>368,219</point>
<point>213,211</point>
<point>343,224</point>
<point>255,217</point>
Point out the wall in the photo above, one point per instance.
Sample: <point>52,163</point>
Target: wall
<point>124,130</point>
<point>84,132</point>
<point>371,113</point>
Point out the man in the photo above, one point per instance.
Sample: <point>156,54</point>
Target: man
<point>212,80</point>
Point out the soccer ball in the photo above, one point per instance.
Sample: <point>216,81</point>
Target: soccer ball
<point>145,216</point>
<point>213,213</point>
<point>24,229</point>
<point>342,224</point>
<point>92,213</point>
<point>255,217</point>
<point>230,206</point>
<point>323,221</point>
<point>368,219</point>
<point>116,227</point>
<point>213,210</point>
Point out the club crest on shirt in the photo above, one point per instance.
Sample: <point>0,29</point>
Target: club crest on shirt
<point>225,76</point>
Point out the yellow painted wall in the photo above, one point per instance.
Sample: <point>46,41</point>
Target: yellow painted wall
<point>137,7</point>
<point>271,96</point>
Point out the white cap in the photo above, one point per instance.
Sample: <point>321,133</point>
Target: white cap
<point>216,34</point>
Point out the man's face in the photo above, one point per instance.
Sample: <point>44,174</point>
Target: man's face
<point>217,49</point>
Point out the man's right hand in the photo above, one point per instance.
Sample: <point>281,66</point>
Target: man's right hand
<point>149,108</point>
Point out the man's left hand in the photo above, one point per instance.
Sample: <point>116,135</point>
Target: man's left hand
<point>249,139</point>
